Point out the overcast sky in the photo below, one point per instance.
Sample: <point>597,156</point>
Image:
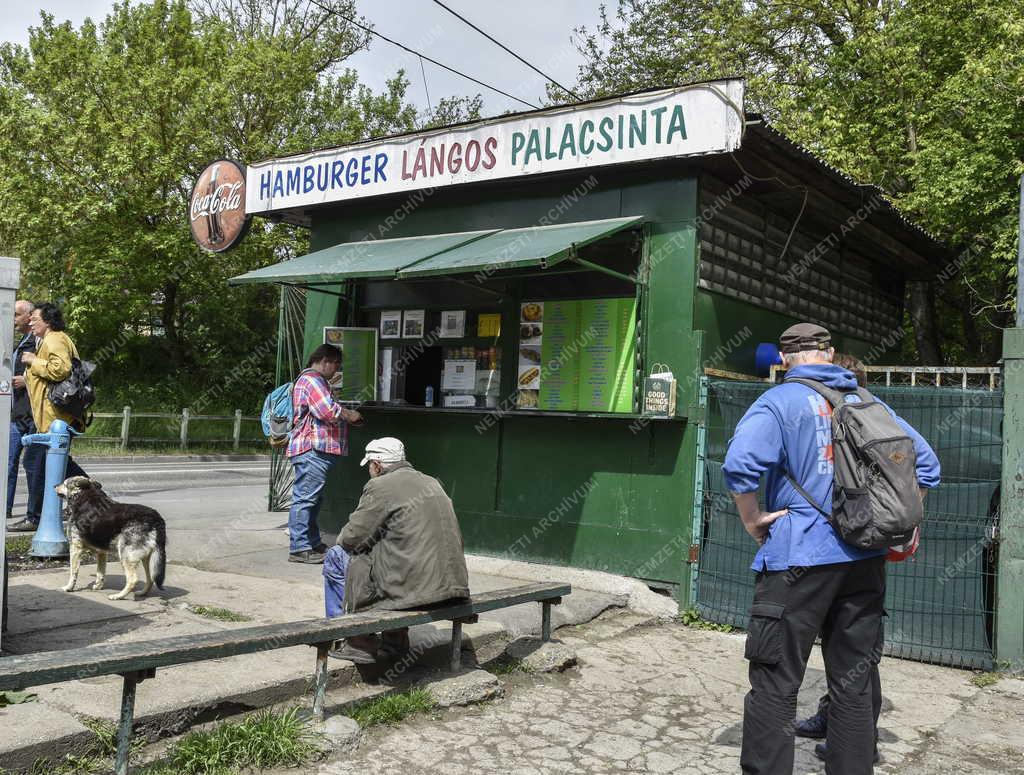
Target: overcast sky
<point>538,30</point>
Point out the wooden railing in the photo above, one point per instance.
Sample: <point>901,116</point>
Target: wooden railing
<point>177,428</point>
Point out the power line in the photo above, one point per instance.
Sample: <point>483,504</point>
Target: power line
<point>510,51</point>
<point>417,53</point>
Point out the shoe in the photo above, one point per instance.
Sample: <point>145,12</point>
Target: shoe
<point>361,650</point>
<point>814,727</point>
<point>820,750</point>
<point>24,526</point>
<point>309,556</point>
<point>321,548</point>
<point>394,644</point>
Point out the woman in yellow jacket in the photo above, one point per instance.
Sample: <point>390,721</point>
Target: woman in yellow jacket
<point>50,363</point>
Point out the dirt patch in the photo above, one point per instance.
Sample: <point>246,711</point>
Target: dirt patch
<point>19,561</point>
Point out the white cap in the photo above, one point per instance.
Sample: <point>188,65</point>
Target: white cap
<point>385,450</point>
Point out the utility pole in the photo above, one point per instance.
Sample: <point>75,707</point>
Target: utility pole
<point>1010,581</point>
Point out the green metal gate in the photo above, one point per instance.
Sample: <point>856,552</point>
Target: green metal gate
<point>940,603</point>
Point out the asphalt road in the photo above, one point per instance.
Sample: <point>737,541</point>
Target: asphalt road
<point>195,485</point>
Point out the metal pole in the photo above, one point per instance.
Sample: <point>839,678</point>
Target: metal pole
<point>124,729</point>
<point>10,278</point>
<point>236,434</point>
<point>455,655</point>
<point>320,681</point>
<point>1020,257</point>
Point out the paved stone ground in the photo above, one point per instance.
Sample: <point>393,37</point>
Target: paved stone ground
<point>668,699</point>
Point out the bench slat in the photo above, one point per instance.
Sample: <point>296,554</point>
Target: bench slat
<point>21,672</point>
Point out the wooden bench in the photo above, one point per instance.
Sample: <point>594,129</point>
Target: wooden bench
<point>135,662</point>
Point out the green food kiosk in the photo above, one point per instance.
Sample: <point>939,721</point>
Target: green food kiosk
<point>503,289</point>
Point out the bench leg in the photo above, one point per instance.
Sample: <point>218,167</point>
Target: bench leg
<point>545,621</point>
<point>320,681</point>
<point>455,655</point>
<point>124,729</point>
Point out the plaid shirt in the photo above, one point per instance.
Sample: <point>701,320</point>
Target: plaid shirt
<point>318,423</point>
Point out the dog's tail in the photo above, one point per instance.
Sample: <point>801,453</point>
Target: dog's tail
<point>159,556</point>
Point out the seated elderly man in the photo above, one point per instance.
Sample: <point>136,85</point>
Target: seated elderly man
<point>401,550</point>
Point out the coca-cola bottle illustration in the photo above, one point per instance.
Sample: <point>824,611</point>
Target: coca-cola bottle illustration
<point>216,235</point>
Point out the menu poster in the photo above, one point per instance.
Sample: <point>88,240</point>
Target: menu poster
<point>559,352</point>
<point>607,361</point>
<point>412,323</point>
<point>453,324</point>
<point>531,322</point>
<point>357,379</point>
<point>391,324</point>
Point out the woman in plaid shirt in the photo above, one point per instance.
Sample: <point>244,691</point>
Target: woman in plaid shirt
<point>319,436</point>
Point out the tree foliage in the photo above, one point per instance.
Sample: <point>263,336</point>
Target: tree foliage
<point>104,128</point>
<point>921,97</point>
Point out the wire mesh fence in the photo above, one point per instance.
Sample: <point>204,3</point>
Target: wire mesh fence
<point>940,603</point>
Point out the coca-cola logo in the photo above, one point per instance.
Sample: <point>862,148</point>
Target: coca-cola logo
<point>217,206</point>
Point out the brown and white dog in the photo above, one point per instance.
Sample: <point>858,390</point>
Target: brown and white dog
<point>99,523</point>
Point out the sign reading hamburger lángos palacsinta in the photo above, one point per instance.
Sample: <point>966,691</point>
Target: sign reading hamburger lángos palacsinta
<point>685,121</point>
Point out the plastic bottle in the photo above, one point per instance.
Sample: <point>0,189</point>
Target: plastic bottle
<point>429,399</point>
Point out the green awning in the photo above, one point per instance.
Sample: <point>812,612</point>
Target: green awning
<point>542,246</point>
<point>367,258</point>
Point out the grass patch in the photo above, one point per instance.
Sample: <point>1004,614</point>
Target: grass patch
<point>97,758</point>
<point>220,614</point>
<point>15,698</point>
<point>981,680</point>
<point>691,618</point>
<point>391,708</point>
<point>265,739</point>
<point>19,544</point>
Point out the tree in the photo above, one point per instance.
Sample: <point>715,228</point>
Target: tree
<point>104,128</point>
<point>920,97</point>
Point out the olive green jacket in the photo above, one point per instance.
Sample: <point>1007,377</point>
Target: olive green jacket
<point>405,544</point>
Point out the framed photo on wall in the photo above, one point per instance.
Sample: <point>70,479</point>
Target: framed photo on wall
<point>391,324</point>
<point>412,323</point>
<point>453,324</point>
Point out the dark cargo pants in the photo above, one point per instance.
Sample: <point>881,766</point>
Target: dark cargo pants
<point>844,602</point>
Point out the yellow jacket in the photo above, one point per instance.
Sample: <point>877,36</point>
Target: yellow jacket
<point>52,364</point>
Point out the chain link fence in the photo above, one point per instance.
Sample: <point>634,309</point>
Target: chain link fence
<point>941,602</point>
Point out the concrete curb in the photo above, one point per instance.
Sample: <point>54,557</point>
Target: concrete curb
<point>172,459</point>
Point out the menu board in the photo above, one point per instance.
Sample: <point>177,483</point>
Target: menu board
<point>587,355</point>
<point>359,362</point>
<point>607,328</point>
<point>559,352</point>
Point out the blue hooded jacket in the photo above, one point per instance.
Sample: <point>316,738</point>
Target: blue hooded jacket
<point>789,430</point>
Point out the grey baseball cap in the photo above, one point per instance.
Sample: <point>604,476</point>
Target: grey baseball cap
<point>805,336</point>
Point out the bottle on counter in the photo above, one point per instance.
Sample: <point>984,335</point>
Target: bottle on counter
<point>429,397</point>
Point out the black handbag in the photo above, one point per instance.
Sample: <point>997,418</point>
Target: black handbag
<point>75,394</point>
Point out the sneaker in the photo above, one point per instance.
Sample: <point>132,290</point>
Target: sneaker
<point>360,650</point>
<point>24,526</point>
<point>321,548</point>
<point>309,556</point>
<point>820,750</point>
<point>814,727</point>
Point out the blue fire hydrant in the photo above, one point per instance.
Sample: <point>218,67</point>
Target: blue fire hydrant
<point>49,539</point>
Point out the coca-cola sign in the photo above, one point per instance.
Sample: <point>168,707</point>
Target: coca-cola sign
<point>217,206</point>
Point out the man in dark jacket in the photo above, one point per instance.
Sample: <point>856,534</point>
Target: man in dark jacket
<point>401,549</point>
<point>808,579</point>
<point>34,456</point>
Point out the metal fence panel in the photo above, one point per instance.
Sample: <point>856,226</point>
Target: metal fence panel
<point>940,603</point>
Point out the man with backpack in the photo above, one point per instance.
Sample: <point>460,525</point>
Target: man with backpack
<point>834,506</point>
<point>318,438</point>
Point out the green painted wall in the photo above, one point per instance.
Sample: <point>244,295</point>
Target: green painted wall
<point>612,494</point>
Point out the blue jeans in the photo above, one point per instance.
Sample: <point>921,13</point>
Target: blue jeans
<point>310,477</point>
<point>335,572</point>
<point>35,472</point>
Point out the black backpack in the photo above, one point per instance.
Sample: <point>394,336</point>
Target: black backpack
<point>75,393</point>
<point>875,499</point>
